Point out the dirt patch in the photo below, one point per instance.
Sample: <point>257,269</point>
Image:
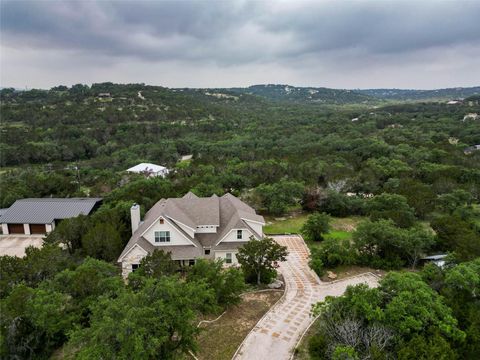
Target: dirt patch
<point>343,272</point>
<point>346,224</point>
<point>219,340</point>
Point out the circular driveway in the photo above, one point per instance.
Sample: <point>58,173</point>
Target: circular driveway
<point>276,334</point>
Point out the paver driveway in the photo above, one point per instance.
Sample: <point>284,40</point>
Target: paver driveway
<point>276,334</point>
<point>15,245</point>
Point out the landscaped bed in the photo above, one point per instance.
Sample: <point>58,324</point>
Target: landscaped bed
<point>220,339</point>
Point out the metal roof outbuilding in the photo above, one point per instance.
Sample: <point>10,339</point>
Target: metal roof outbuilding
<point>46,210</point>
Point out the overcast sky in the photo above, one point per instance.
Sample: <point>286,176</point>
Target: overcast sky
<point>338,44</point>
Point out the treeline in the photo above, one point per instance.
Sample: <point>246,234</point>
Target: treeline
<point>83,142</point>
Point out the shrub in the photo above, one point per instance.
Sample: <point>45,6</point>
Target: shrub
<point>335,252</point>
<point>316,265</point>
<point>226,283</point>
<point>316,225</point>
<point>318,347</point>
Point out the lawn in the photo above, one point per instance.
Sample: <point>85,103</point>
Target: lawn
<point>291,225</point>
<point>219,340</point>
<point>341,227</point>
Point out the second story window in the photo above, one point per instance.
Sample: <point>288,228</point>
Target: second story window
<point>239,234</point>
<point>162,236</point>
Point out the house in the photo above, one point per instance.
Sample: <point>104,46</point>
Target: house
<point>438,260</point>
<point>469,150</point>
<point>149,170</point>
<point>472,116</point>
<point>39,216</point>
<point>192,228</point>
<point>186,157</point>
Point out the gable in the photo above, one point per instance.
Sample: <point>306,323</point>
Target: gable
<point>177,237</point>
<point>135,252</point>
<point>231,236</point>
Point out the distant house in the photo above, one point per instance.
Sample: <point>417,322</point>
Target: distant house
<point>192,228</point>
<point>438,260</point>
<point>471,116</point>
<point>40,216</point>
<point>186,157</point>
<point>469,150</point>
<point>149,170</point>
<point>104,95</point>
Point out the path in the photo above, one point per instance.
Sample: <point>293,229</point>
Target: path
<point>277,333</point>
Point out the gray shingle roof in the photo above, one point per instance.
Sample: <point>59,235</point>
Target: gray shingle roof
<point>44,211</point>
<point>226,212</point>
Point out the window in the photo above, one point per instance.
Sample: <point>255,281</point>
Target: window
<point>239,234</point>
<point>228,258</point>
<point>162,236</point>
<point>161,221</point>
<point>135,267</point>
<point>191,262</point>
<point>207,251</point>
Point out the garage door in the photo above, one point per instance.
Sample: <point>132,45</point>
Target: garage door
<point>38,229</point>
<point>16,229</point>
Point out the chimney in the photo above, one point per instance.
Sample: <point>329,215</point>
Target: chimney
<point>135,217</point>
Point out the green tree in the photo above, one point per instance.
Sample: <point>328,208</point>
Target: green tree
<point>276,198</point>
<point>431,347</point>
<point>103,242</point>
<point>157,264</point>
<point>391,206</point>
<point>419,196</point>
<point>85,284</point>
<point>34,322</point>
<point>403,312</point>
<point>316,226</point>
<point>414,307</point>
<point>378,244</point>
<point>157,322</point>
<point>381,243</point>
<point>69,233</point>
<point>456,234</point>
<point>226,283</point>
<point>260,258</point>
<point>334,252</point>
<point>415,243</point>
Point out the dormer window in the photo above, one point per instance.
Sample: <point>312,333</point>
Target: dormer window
<point>162,236</point>
<point>239,234</point>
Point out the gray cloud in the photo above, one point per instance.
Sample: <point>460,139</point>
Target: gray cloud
<point>292,37</point>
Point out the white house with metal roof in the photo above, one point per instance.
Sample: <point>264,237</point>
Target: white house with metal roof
<point>191,228</point>
<point>39,216</point>
<point>149,170</point>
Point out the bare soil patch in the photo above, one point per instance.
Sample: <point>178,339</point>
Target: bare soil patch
<point>343,272</point>
<point>219,340</point>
